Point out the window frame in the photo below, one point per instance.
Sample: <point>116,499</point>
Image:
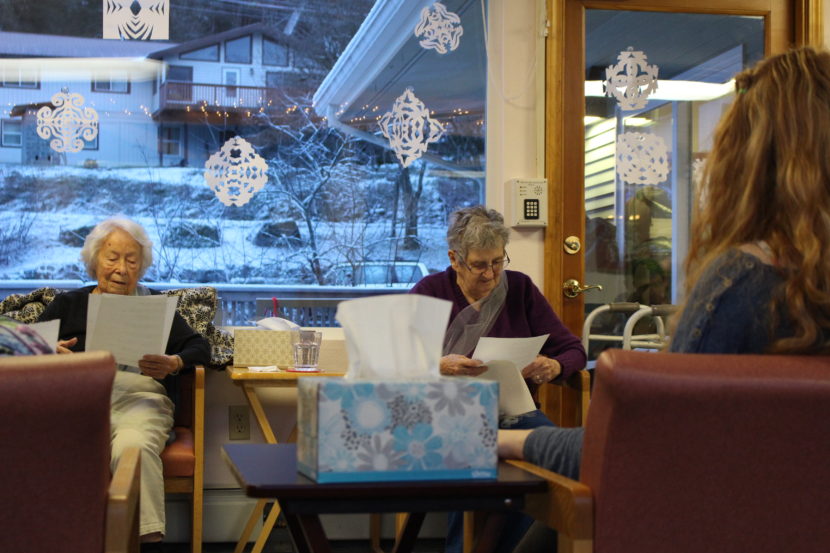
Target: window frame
<point>96,85</point>
<point>250,49</point>
<point>184,55</point>
<point>3,123</point>
<point>287,53</point>
<point>35,84</point>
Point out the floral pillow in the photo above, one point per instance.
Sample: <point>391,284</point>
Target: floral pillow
<point>197,307</point>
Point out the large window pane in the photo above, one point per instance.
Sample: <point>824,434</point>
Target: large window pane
<point>335,193</point>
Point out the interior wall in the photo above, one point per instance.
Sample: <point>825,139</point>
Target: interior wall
<point>515,115</point>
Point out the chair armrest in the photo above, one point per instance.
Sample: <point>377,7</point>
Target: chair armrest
<point>567,506</point>
<point>199,422</point>
<point>122,504</point>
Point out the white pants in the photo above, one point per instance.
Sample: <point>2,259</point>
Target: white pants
<point>141,416</point>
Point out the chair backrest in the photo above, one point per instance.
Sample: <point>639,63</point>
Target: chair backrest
<point>55,451</point>
<point>692,453</point>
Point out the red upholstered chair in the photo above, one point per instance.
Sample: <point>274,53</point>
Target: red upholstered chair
<point>57,492</point>
<point>693,453</point>
<point>183,459</point>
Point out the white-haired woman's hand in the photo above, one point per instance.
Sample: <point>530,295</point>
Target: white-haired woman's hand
<point>159,366</point>
<point>459,365</point>
<point>542,369</point>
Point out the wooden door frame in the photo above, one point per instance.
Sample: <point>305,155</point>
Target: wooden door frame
<point>564,111</point>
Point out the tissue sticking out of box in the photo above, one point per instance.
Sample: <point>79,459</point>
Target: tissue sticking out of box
<point>277,323</point>
<point>394,337</point>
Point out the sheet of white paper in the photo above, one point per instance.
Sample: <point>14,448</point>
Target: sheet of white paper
<point>48,330</point>
<point>505,358</point>
<point>129,326</point>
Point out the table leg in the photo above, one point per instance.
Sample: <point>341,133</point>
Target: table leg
<point>405,541</point>
<point>488,535</point>
<point>308,534</point>
<point>259,414</point>
<point>267,526</point>
<point>249,527</point>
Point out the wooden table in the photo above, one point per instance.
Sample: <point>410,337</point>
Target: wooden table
<point>270,471</point>
<point>249,381</point>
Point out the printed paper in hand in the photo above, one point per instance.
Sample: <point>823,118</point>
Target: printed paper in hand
<point>48,330</point>
<point>505,358</point>
<point>130,327</point>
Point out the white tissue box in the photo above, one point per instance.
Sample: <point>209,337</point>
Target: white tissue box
<point>360,431</point>
<point>254,346</point>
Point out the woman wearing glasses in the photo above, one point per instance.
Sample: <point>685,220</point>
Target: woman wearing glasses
<point>488,300</point>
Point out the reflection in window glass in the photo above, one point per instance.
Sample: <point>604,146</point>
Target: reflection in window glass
<point>273,53</point>
<point>208,53</point>
<point>238,50</point>
<point>336,194</point>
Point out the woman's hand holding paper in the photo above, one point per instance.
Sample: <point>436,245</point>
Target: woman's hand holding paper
<point>459,365</point>
<point>542,369</point>
<point>159,366</point>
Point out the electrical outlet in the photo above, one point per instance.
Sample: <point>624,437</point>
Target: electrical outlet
<point>239,422</point>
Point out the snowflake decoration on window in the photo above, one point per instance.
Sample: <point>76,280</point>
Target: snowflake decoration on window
<point>631,81</point>
<point>236,172</point>
<point>137,19</point>
<point>68,124</point>
<point>409,128</point>
<point>642,158</point>
<point>439,28</point>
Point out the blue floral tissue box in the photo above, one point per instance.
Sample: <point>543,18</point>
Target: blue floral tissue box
<point>361,431</point>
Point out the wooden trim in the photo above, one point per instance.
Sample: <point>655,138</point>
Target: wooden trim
<point>197,499</point>
<point>554,166</point>
<point>809,23</point>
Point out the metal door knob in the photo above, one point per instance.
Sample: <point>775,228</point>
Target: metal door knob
<point>572,289</point>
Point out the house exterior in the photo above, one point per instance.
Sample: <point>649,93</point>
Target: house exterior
<point>158,103</point>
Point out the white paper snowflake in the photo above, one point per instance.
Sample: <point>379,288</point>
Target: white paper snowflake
<point>409,128</point>
<point>137,19</point>
<point>439,28</point>
<point>236,172</point>
<point>68,125</point>
<point>642,158</point>
<point>631,81</point>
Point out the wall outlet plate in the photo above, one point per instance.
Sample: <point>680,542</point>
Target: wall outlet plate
<point>239,422</point>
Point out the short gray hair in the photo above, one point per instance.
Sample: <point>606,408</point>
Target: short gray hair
<point>95,240</point>
<point>476,228</point>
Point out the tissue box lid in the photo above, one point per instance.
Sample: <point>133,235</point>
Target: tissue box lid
<point>253,346</point>
<point>353,431</point>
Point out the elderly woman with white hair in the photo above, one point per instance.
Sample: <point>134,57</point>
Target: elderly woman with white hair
<point>117,252</point>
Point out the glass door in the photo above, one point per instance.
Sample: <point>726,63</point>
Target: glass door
<point>651,80</point>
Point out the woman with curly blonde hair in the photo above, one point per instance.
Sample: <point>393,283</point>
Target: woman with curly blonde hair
<point>758,279</point>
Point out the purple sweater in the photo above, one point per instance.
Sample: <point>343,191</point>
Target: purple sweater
<point>526,313</point>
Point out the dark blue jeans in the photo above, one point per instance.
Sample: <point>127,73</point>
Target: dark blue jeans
<point>516,524</point>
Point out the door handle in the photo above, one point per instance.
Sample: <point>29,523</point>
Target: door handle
<point>572,289</point>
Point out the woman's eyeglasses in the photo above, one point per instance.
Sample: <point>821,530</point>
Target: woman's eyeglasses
<point>480,267</point>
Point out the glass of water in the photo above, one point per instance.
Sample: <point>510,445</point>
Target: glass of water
<point>307,350</point>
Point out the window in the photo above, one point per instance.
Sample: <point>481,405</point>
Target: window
<point>208,53</point>
<point>238,50</point>
<point>17,77</point>
<point>116,82</point>
<point>12,136</point>
<point>170,143</point>
<point>274,53</point>
<point>230,84</point>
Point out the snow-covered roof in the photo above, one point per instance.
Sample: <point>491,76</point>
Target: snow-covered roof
<point>48,46</point>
